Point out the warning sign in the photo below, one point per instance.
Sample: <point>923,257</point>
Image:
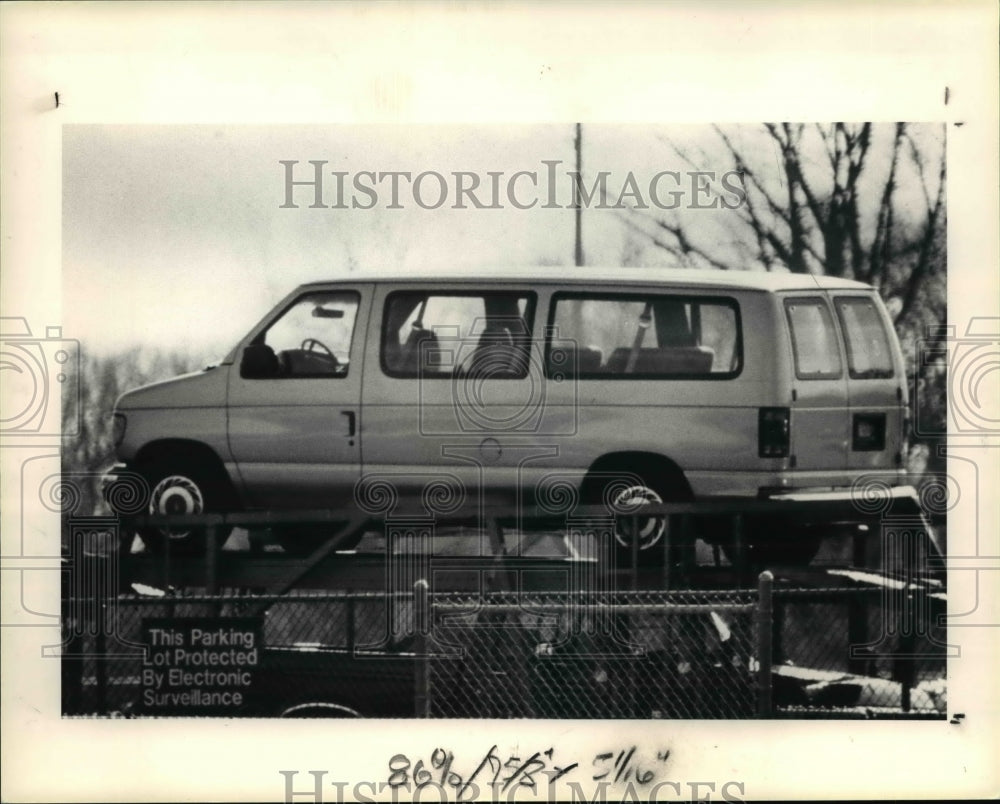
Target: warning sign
<point>199,666</point>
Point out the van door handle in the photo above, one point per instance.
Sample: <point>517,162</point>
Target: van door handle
<point>351,421</point>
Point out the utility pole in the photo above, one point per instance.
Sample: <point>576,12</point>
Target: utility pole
<point>578,252</point>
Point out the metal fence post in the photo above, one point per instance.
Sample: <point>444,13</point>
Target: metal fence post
<point>72,669</point>
<point>351,636</point>
<point>777,631</point>
<point>212,566</point>
<point>634,535</point>
<point>859,547</point>
<point>905,659</point>
<point>166,560</point>
<point>211,559</point>
<point>101,660</point>
<point>665,578</point>
<point>421,628</point>
<point>857,633</point>
<point>765,611</point>
<point>740,564</point>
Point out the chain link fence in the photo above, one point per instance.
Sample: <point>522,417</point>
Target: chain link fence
<point>860,652</point>
<point>626,655</point>
<point>838,652</point>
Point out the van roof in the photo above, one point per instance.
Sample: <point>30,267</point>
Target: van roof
<point>566,275</point>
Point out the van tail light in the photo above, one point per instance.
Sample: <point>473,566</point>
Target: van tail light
<point>773,432</point>
<point>868,432</point>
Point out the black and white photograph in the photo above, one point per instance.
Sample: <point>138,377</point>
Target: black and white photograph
<point>522,451</point>
<point>428,484</point>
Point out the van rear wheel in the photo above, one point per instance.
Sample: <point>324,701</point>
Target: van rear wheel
<point>646,530</point>
<point>626,498</point>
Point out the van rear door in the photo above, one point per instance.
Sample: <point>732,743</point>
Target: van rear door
<point>819,420</point>
<point>875,387</point>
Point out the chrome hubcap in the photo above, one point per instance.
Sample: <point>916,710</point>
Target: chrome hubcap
<point>174,495</point>
<point>649,530</point>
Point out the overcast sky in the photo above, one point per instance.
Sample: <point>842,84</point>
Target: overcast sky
<point>175,235</point>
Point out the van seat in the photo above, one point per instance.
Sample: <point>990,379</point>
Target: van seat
<point>421,346</point>
<point>495,355</point>
<point>664,360</point>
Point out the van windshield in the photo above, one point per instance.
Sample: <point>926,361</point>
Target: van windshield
<point>312,338</point>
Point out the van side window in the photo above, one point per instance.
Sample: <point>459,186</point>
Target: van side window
<point>814,341</point>
<point>440,335</point>
<point>868,355</point>
<point>644,337</point>
<point>312,338</point>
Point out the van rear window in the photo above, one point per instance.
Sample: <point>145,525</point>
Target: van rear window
<point>644,336</point>
<point>814,341</point>
<point>868,355</point>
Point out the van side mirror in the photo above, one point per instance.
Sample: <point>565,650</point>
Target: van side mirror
<point>259,362</point>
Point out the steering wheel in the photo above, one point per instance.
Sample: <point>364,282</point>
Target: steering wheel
<point>309,344</point>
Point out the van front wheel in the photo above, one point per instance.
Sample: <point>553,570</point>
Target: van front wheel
<point>181,490</point>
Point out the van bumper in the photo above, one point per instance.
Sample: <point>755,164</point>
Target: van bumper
<point>765,485</point>
<point>893,506</point>
<point>839,498</point>
<point>855,496</point>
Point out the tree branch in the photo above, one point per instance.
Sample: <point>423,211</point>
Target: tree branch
<point>882,242</point>
<point>923,266</point>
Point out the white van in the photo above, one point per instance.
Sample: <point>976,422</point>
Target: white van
<point>622,385</point>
